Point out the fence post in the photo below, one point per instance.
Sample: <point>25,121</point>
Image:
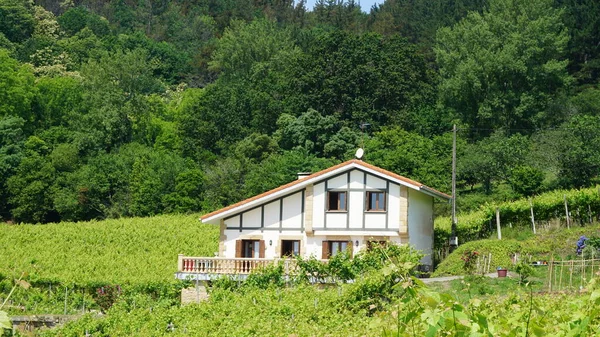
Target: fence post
<point>532,218</point>
<point>567,211</point>
<point>562,264</point>
<point>498,223</point>
<point>180,262</point>
<point>571,275</point>
<point>550,273</point>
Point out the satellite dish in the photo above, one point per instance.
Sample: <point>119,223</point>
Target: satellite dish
<point>359,153</point>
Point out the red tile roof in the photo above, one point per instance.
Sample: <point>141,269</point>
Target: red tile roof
<point>320,173</point>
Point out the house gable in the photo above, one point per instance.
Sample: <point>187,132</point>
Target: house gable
<point>337,177</point>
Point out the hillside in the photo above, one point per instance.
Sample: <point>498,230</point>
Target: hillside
<point>119,108</point>
<point>557,243</point>
<point>548,211</point>
<point>134,250</point>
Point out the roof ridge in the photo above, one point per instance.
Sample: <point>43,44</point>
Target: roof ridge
<point>317,174</point>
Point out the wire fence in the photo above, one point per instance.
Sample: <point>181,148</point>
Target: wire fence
<point>570,275</point>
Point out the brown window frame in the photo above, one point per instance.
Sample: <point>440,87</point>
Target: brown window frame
<point>242,246</point>
<point>377,207</point>
<point>283,247</point>
<point>328,248</point>
<point>339,203</point>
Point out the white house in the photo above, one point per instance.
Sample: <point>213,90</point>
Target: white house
<point>345,207</point>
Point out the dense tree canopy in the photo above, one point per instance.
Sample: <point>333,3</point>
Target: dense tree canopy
<point>123,108</point>
<point>502,68</point>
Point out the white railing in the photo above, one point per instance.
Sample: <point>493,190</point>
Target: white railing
<point>235,266</point>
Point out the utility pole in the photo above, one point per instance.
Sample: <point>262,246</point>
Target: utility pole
<point>453,237</point>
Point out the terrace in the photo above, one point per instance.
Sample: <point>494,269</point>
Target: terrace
<point>210,268</point>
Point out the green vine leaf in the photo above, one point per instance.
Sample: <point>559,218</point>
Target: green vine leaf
<point>5,321</point>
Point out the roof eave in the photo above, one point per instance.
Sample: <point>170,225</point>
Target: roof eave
<point>434,193</point>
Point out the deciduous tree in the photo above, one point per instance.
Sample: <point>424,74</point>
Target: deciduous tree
<point>500,69</point>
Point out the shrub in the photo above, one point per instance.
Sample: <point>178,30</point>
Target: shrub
<point>107,295</point>
<point>524,269</point>
<point>469,258</point>
<point>501,251</point>
<point>225,283</point>
<point>526,180</point>
<point>269,276</point>
<point>311,268</point>
<point>378,286</point>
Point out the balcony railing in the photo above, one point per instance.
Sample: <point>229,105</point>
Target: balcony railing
<point>228,266</point>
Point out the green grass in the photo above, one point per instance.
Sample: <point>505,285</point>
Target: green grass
<point>484,287</point>
<point>132,250</point>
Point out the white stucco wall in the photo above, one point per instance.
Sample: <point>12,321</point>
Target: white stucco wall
<point>292,211</point>
<point>355,209</point>
<point>251,218</point>
<point>233,222</point>
<point>420,223</point>
<point>394,207</point>
<point>356,179</point>
<point>270,250</point>
<point>272,215</point>
<point>374,182</point>
<point>336,220</point>
<point>318,205</point>
<point>375,220</point>
<point>339,182</point>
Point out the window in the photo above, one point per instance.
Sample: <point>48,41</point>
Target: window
<point>375,201</point>
<point>332,248</point>
<point>337,247</point>
<point>290,247</point>
<point>336,201</point>
<point>251,248</point>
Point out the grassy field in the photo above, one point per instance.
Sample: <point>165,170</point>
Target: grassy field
<point>133,250</point>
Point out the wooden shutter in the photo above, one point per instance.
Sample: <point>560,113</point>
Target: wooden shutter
<point>238,248</point>
<point>350,247</point>
<point>325,252</point>
<point>261,249</point>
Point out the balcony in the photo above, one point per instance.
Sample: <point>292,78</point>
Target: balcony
<point>210,268</point>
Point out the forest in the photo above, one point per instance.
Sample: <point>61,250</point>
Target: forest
<point>134,108</point>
